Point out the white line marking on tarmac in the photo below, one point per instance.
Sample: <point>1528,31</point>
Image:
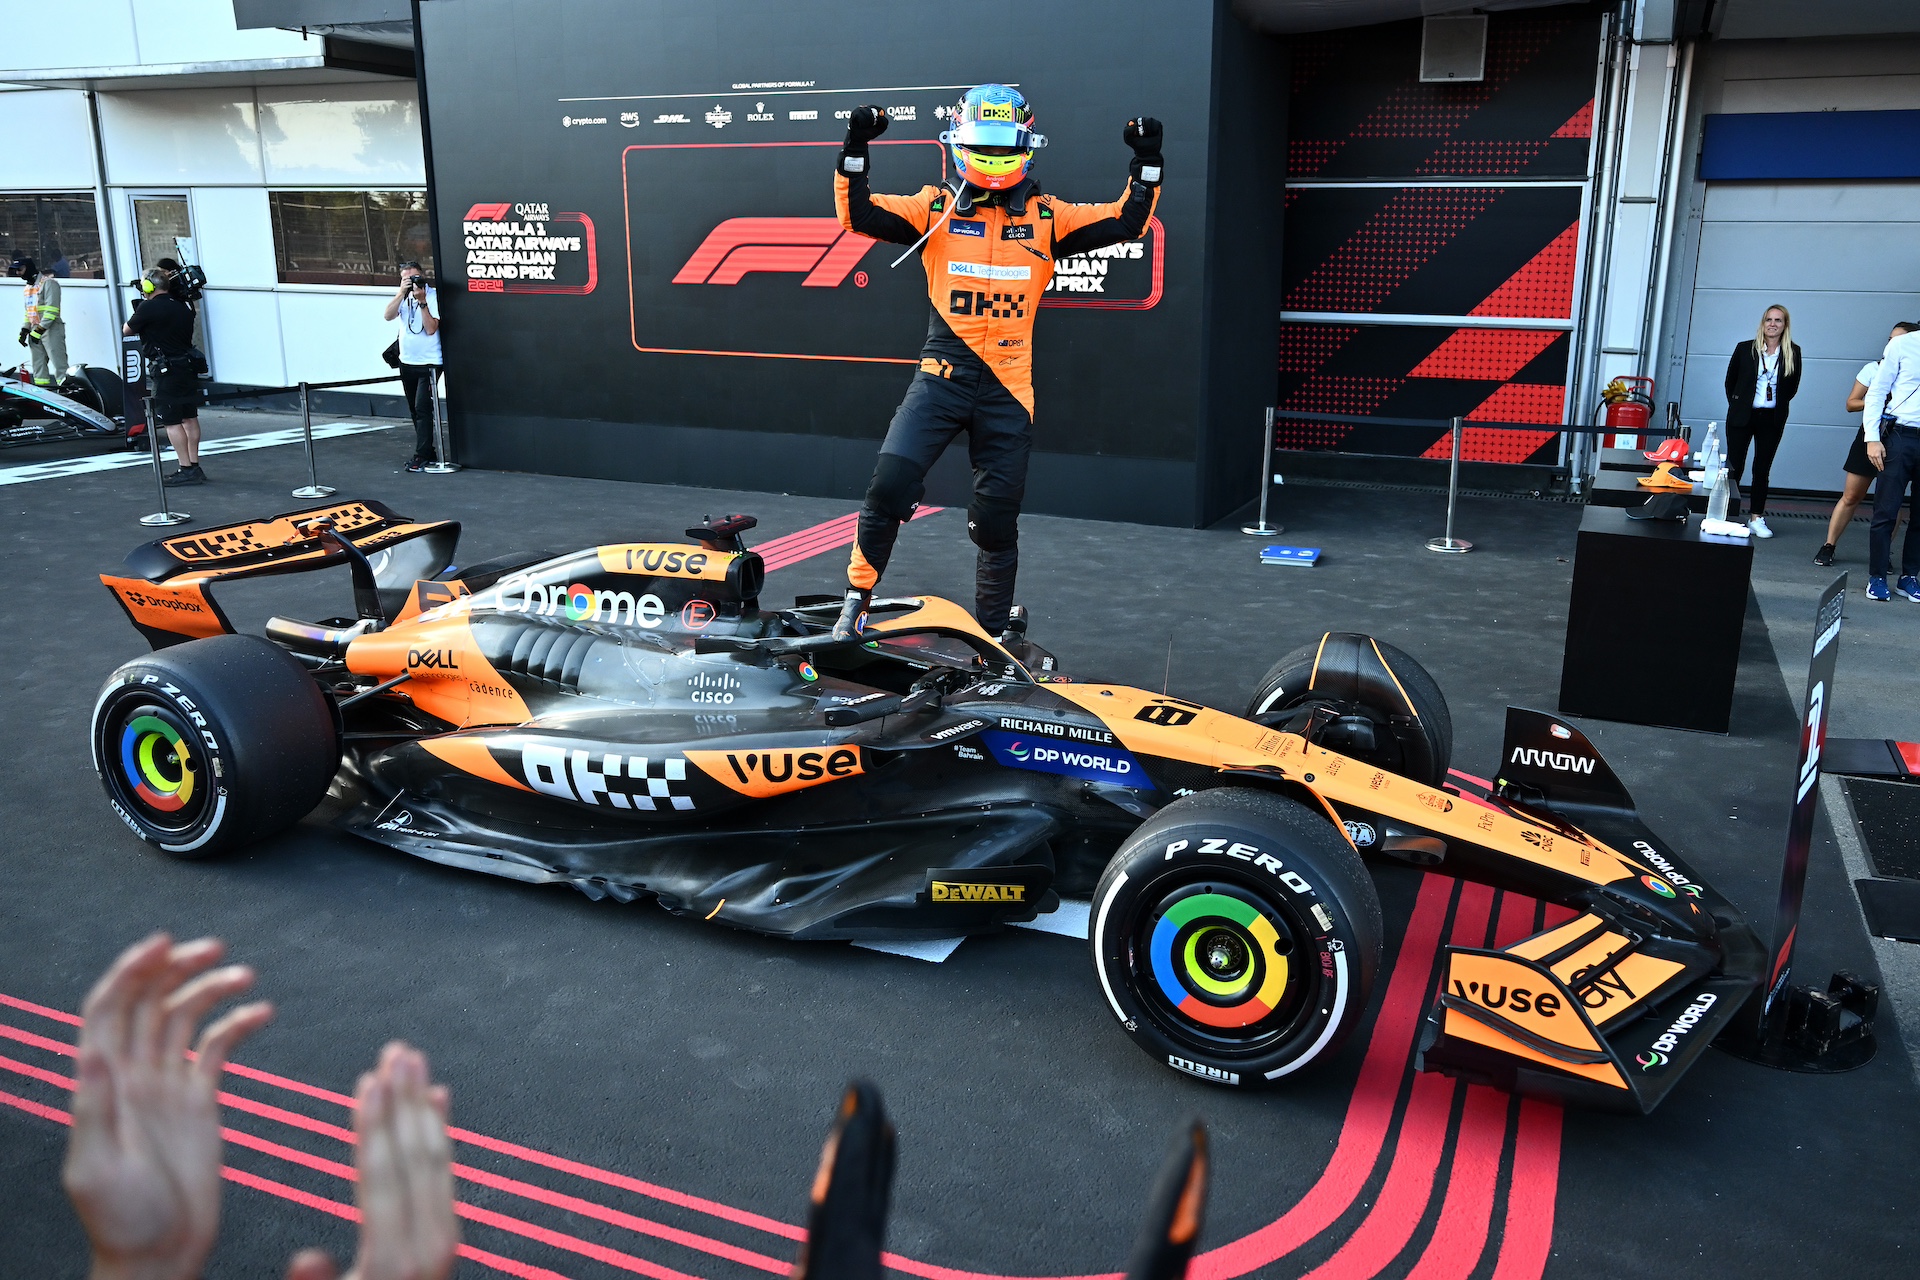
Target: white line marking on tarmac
<point>1072,920</point>
<point>144,458</point>
<point>934,951</point>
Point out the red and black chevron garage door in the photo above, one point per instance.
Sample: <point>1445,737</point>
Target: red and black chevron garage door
<point>1422,371</point>
<point>1360,111</point>
<point>1412,205</point>
<point>1464,251</point>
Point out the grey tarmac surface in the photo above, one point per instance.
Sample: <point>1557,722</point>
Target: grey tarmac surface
<point>708,1061</point>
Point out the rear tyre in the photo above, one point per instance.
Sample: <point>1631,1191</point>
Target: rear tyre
<point>207,745</point>
<point>1237,935</point>
<point>1387,711</point>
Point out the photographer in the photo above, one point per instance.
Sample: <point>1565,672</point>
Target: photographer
<point>164,324</point>
<point>416,306</point>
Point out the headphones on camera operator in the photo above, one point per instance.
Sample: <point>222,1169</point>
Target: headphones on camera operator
<point>183,285</point>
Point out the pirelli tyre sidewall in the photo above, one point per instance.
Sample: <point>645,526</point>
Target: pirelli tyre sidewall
<point>208,745</point>
<point>1237,934</point>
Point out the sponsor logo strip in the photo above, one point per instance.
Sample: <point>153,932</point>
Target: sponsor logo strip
<point>1046,755</point>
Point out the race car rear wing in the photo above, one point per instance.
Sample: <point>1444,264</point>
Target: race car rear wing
<point>165,587</point>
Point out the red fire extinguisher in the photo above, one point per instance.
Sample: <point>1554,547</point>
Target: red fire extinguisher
<point>1629,402</point>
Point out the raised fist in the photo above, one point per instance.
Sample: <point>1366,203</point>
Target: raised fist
<point>866,124</point>
<point>1143,135</point>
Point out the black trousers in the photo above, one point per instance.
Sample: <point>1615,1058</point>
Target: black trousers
<point>416,381</point>
<point>1762,429</point>
<point>999,437</point>
<point>1903,468</point>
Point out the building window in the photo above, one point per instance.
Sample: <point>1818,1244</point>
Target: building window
<point>348,237</point>
<point>59,232</point>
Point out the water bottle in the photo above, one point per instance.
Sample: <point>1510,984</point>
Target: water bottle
<point>1717,495</point>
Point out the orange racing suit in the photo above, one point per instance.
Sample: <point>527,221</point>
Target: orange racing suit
<point>988,263</point>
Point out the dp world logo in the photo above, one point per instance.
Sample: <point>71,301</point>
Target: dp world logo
<point>1018,750</point>
<point>1651,1059</point>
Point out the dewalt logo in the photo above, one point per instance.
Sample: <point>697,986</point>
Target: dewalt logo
<point>951,891</point>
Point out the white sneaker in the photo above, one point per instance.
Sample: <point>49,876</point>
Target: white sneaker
<point>1758,527</point>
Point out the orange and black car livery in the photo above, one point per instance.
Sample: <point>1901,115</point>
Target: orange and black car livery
<point>629,720</point>
<point>989,266</point>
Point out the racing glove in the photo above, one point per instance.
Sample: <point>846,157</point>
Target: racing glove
<point>863,126</point>
<point>847,1225</point>
<point>1175,1210</point>
<point>1143,135</point>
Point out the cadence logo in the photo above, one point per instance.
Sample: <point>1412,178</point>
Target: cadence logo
<point>819,247</point>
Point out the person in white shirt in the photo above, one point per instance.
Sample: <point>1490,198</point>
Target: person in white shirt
<point>1891,422</point>
<point>1859,468</point>
<point>416,305</point>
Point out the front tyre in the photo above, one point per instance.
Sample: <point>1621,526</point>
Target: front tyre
<point>1237,935</point>
<point>210,744</point>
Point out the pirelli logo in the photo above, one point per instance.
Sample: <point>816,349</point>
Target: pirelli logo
<point>955,891</point>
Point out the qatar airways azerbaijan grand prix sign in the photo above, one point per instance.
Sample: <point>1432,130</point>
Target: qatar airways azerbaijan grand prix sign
<point>523,248</point>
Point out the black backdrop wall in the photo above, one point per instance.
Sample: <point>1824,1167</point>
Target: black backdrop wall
<point>644,280</point>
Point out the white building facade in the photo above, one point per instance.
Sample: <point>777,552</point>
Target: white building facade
<point>287,165</point>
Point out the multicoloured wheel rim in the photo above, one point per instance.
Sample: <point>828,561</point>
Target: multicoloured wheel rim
<point>1218,960</point>
<point>158,765</point>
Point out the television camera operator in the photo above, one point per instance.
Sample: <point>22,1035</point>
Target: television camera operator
<point>163,321</point>
<point>416,305</point>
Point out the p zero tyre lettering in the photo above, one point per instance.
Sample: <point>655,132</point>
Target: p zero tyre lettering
<point>1235,934</point>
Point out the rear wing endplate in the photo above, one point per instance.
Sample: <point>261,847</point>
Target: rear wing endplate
<point>164,585</point>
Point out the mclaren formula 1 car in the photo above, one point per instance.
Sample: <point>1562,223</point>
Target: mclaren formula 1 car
<point>630,720</point>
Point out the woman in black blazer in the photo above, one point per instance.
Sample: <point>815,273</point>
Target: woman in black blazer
<point>1762,378</point>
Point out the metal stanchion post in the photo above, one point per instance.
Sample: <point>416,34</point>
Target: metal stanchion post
<point>313,488</point>
<point>442,464</point>
<point>1266,482</point>
<point>165,515</point>
<point>1450,544</point>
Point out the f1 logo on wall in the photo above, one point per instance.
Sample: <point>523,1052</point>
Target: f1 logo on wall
<point>523,248</point>
<point>817,247</point>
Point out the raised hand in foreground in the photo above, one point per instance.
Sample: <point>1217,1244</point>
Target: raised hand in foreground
<point>405,1192</point>
<point>847,1223</point>
<point>143,1159</point>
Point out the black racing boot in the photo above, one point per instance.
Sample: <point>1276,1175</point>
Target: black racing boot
<point>1014,641</point>
<point>993,578</point>
<point>853,614</point>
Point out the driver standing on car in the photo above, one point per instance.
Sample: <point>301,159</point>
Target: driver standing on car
<point>988,241</point>
<point>43,331</point>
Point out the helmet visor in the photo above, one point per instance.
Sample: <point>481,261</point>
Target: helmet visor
<point>991,133</point>
<point>996,166</point>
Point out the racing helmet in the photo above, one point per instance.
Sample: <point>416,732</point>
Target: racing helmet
<point>991,140</point>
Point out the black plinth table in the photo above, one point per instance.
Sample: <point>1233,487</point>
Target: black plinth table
<point>1653,626</point>
<point>1622,489</point>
